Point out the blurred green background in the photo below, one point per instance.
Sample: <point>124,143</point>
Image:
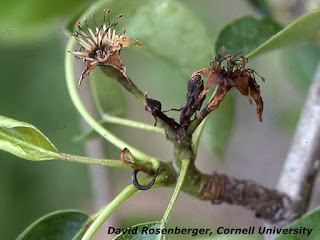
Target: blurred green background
<point>32,48</point>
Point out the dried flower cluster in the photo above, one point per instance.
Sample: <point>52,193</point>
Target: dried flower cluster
<point>227,72</point>
<point>102,47</point>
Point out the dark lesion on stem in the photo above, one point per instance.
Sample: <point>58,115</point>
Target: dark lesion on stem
<point>218,188</point>
<point>177,131</point>
<point>265,203</point>
<point>225,73</point>
<point>154,107</point>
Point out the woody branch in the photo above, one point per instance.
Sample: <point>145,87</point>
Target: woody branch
<point>302,162</point>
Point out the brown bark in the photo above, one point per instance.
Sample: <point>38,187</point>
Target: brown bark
<point>265,203</point>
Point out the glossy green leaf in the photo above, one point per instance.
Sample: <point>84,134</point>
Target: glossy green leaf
<point>167,28</point>
<point>59,225</point>
<point>245,34</point>
<point>25,141</point>
<point>143,231</point>
<point>302,29</point>
<point>311,221</point>
<point>219,126</point>
<point>107,94</point>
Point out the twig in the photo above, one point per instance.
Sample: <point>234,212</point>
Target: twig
<point>263,202</point>
<point>302,162</point>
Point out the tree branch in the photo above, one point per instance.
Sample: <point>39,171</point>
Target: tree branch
<point>302,162</point>
<point>265,203</point>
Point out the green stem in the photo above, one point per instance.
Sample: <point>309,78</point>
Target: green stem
<point>117,75</point>
<point>105,213</point>
<point>93,161</point>
<point>184,169</point>
<point>197,135</point>
<point>130,123</point>
<point>84,113</point>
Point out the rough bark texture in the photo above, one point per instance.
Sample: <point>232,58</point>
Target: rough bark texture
<point>265,203</point>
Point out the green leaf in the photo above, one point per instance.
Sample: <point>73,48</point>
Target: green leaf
<point>310,220</point>
<point>25,141</point>
<point>167,28</point>
<point>219,126</point>
<point>140,232</point>
<point>107,95</point>
<point>59,225</point>
<point>33,20</point>
<point>302,29</point>
<point>252,37</point>
<point>245,34</point>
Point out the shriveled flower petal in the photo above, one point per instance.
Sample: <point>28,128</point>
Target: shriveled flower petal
<point>234,74</point>
<point>129,42</point>
<point>102,47</point>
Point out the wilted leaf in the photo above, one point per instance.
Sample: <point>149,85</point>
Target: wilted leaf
<point>25,141</point>
<point>310,220</point>
<point>245,34</point>
<point>59,225</point>
<point>141,230</point>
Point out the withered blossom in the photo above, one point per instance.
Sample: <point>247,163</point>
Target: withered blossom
<point>102,47</point>
<point>227,72</point>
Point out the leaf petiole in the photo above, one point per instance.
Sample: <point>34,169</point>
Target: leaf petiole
<point>131,123</point>
<point>93,161</point>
